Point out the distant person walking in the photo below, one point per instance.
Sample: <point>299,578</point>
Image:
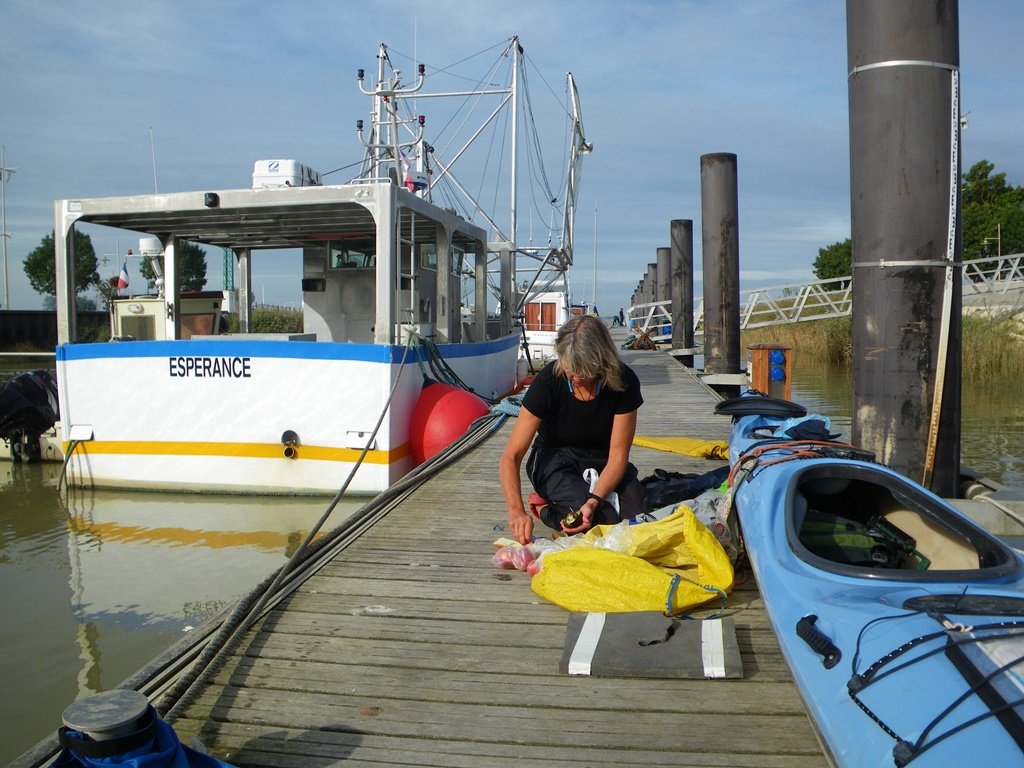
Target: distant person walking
<point>622,318</point>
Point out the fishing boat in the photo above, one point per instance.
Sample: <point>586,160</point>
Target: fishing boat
<point>901,620</point>
<point>543,315</point>
<point>406,278</point>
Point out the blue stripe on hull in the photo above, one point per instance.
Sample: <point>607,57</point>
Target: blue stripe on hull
<point>304,350</point>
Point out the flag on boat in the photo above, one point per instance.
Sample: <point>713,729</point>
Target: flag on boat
<point>122,279</point>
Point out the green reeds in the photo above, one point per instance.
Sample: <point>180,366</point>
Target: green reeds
<point>271,320</point>
<point>992,349</point>
<point>827,341</point>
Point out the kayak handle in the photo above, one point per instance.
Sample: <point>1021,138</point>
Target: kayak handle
<point>819,642</point>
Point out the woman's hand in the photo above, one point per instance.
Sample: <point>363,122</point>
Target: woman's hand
<point>520,522</point>
<point>521,526</point>
<point>587,521</point>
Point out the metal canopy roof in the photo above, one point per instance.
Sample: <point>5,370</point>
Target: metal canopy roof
<point>286,217</point>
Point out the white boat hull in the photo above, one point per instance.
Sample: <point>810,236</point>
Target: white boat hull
<point>210,415</point>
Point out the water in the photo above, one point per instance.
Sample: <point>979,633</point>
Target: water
<point>94,585</point>
<point>991,427</point>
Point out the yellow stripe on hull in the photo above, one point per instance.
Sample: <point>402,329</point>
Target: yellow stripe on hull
<point>232,450</point>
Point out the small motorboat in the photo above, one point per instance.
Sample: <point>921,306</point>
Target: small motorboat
<point>901,620</point>
<point>28,408</point>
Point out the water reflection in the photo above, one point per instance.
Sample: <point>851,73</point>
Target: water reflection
<point>168,559</point>
<point>991,426</point>
<point>100,582</point>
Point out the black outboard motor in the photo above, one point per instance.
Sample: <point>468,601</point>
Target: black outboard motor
<point>28,407</point>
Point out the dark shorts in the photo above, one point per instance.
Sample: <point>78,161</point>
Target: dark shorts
<point>557,475</point>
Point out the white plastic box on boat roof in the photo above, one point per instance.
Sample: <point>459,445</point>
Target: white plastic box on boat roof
<point>284,173</point>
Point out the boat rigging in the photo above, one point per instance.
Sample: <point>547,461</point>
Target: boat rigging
<point>397,147</point>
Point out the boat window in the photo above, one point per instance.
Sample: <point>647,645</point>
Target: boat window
<point>198,325</point>
<point>428,256</point>
<point>351,254</point>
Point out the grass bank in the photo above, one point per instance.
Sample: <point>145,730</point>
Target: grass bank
<point>993,348</point>
<point>271,320</point>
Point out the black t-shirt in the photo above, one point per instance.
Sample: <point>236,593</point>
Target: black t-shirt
<point>568,422</point>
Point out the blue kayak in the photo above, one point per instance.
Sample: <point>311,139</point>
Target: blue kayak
<point>901,620</point>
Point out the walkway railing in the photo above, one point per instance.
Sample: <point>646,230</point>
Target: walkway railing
<point>992,283</point>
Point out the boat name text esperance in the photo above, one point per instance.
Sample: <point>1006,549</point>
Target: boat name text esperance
<point>210,367</point>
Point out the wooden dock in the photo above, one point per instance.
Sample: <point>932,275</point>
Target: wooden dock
<point>409,648</point>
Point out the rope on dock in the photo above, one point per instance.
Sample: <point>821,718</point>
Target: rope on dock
<point>274,587</point>
<point>240,622</point>
<point>508,406</point>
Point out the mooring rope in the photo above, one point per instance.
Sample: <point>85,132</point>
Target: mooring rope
<point>232,632</point>
<point>251,606</point>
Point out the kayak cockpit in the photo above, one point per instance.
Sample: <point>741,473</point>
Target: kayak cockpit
<point>865,520</point>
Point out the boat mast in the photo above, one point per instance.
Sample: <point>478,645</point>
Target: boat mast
<point>517,51</point>
<point>385,142</point>
<point>558,259</point>
<point>385,145</point>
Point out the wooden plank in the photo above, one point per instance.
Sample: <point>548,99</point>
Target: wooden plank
<point>609,728</point>
<point>302,747</point>
<point>410,648</point>
<point>537,689</point>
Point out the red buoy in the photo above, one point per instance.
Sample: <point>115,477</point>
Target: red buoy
<point>440,417</point>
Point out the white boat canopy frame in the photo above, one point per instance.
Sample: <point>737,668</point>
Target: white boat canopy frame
<point>246,220</point>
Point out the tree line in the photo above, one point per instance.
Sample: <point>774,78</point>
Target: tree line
<point>992,222</point>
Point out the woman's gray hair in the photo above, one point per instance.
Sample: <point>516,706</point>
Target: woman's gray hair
<point>584,347</point>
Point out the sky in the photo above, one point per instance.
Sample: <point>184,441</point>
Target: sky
<point>117,98</point>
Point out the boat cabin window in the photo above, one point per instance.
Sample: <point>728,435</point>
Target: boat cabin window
<point>541,316</point>
<point>428,256</point>
<point>355,254</point>
<point>204,324</point>
<point>862,518</point>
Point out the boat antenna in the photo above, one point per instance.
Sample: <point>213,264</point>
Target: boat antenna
<point>5,174</point>
<point>595,257</point>
<point>152,153</point>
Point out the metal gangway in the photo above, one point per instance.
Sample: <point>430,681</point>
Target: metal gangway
<point>994,285</point>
